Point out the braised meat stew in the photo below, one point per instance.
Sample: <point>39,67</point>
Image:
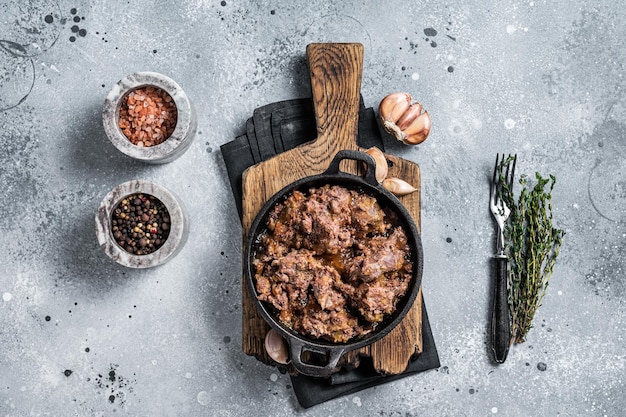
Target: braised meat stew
<point>331,263</point>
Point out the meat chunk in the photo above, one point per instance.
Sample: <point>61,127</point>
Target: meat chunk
<point>336,326</point>
<point>379,298</point>
<point>325,290</point>
<point>367,216</point>
<point>379,255</point>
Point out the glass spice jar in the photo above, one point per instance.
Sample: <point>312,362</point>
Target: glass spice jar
<point>169,216</point>
<point>148,117</point>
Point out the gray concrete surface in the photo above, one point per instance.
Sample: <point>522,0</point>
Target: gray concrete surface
<point>544,79</point>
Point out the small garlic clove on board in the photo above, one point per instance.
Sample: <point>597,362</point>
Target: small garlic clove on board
<point>398,187</point>
<point>381,163</point>
<point>403,118</point>
<point>276,347</point>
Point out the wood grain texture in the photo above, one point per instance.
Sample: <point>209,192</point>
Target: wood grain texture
<point>335,71</point>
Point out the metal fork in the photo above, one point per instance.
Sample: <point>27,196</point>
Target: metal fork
<point>501,317</point>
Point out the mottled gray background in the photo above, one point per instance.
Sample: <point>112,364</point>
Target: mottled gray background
<point>544,79</point>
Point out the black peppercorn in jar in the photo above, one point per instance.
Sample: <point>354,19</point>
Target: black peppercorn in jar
<point>140,224</point>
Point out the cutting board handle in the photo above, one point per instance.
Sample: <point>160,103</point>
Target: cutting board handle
<point>336,70</point>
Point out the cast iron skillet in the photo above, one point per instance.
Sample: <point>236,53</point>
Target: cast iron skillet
<point>298,344</point>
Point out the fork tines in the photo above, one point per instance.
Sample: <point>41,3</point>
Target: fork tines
<point>505,159</point>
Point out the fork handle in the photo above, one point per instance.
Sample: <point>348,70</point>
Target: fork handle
<point>501,317</point>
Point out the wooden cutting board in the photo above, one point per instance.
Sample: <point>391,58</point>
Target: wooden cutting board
<point>335,71</point>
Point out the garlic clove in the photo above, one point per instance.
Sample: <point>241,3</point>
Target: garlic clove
<point>398,187</point>
<point>276,347</point>
<point>393,106</point>
<point>418,131</point>
<point>409,116</point>
<point>381,163</point>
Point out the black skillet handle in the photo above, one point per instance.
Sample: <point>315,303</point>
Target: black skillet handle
<point>501,317</point>
<point>332,354</point>
<point>370,171</point>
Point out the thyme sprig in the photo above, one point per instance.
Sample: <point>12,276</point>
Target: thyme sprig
<point>532,244</point>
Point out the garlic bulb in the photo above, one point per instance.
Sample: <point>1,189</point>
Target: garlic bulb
<point>381,162</point>
<point>404,119</point>
<point>398,186</point>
